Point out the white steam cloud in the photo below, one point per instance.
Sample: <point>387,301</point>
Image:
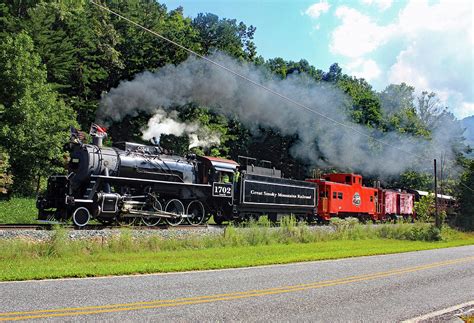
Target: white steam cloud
<point>321,142</point>
<point>167,123</point>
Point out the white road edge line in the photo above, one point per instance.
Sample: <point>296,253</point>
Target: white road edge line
<point>437,313</point>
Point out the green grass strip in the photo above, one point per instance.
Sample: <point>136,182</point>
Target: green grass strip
<point>18,210</point>
<point>103,262</point>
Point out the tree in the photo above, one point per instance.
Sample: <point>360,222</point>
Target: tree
<point>465,219</point>
<point>5,178</point>
<point>414,180</point>
<point>334,74</point>
<point>397,97</point>
<point>34,122</point>
<point>429,109</point>
<point>365,108</point>
<point>225,35</point>
<point>77,45</point>
<point>425,208</point>
<point>141,50</point>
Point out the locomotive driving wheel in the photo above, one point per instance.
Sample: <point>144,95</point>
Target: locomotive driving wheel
<point>175,206</point>
<point>196,212</point>
<point>81,217</point>
<point>152,206</point>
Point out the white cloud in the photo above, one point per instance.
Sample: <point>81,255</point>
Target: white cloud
<point>381,4</point>
<point>436,53</point>
<point>315,10</point>
<point>466,110</point>
<point>443,16</point>
<point>358,34</point>
<point>367,69</point>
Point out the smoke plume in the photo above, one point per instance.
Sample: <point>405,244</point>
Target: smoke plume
<point>166,123</point>
<point>322,142</point>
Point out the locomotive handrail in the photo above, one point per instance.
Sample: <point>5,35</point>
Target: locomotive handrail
<point>140,170</point>
<point>115,178</point>
<point>164,163</point>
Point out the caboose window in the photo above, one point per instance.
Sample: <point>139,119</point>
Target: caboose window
<point>348,179</point>
<point>371,199</point>
<point>339,195</point>
<point>334,195</point>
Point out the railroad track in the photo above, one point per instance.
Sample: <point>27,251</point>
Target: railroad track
<point>50,226</point>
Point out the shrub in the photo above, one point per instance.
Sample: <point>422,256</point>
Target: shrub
<point>425,209</point>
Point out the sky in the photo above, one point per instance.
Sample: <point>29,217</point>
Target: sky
<point>426,44</point>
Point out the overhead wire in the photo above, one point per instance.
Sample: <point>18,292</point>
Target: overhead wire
<point>282,96</point>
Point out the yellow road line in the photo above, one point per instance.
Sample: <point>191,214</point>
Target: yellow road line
<point>87,310</point>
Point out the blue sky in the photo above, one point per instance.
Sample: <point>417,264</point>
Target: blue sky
<point>427,44</point>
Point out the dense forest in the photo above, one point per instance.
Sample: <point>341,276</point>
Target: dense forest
<point>60,59</point>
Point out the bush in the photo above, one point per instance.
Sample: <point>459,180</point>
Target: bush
<point>425,209</point>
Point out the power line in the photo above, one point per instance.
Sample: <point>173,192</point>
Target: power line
<point>284,97</point>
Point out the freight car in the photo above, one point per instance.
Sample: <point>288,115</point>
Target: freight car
<point>395,204</point>
<point>132,181</point>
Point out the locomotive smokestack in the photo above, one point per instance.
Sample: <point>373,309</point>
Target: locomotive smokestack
<point>96,140</point>
<point>98,134</point>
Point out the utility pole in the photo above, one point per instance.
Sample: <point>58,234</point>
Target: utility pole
<point>437,219</point>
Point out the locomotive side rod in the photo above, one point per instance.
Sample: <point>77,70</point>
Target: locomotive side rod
<point>160,214</point>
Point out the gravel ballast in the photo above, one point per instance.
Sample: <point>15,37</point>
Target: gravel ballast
<point>173,233</point>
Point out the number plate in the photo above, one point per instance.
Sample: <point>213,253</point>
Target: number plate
<point>222,189</point>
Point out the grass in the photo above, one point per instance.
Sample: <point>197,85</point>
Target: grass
<point>257,244</point>
<point>18,210</point>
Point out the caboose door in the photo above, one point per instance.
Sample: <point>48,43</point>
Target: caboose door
<point>324,201</point>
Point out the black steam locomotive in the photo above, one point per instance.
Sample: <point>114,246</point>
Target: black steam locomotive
<point>130,181</point>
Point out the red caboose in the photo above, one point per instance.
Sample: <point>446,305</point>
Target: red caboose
<point>343,195</point>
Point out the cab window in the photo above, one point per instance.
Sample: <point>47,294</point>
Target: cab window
<point>224,177</point>
<point>339,195</point>
<point>334,195</point>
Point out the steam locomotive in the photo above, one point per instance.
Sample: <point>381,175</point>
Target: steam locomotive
<point>129,182</point>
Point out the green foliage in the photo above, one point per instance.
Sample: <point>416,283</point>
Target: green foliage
<point>35,122</point>
<point>365,107</point>
<point>57,246</point>
<point>18,210</point>
<point>414,180</point>
<point>77,45</point>
<point>465,219</point>
<point>425,208</point>
<point>226,35</point>
<point>398,107</point>
<point>141,50</point>
<point>6,179</point>
<point>415,232</point>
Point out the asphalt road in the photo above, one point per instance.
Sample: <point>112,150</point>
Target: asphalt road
<point>378,288</point>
